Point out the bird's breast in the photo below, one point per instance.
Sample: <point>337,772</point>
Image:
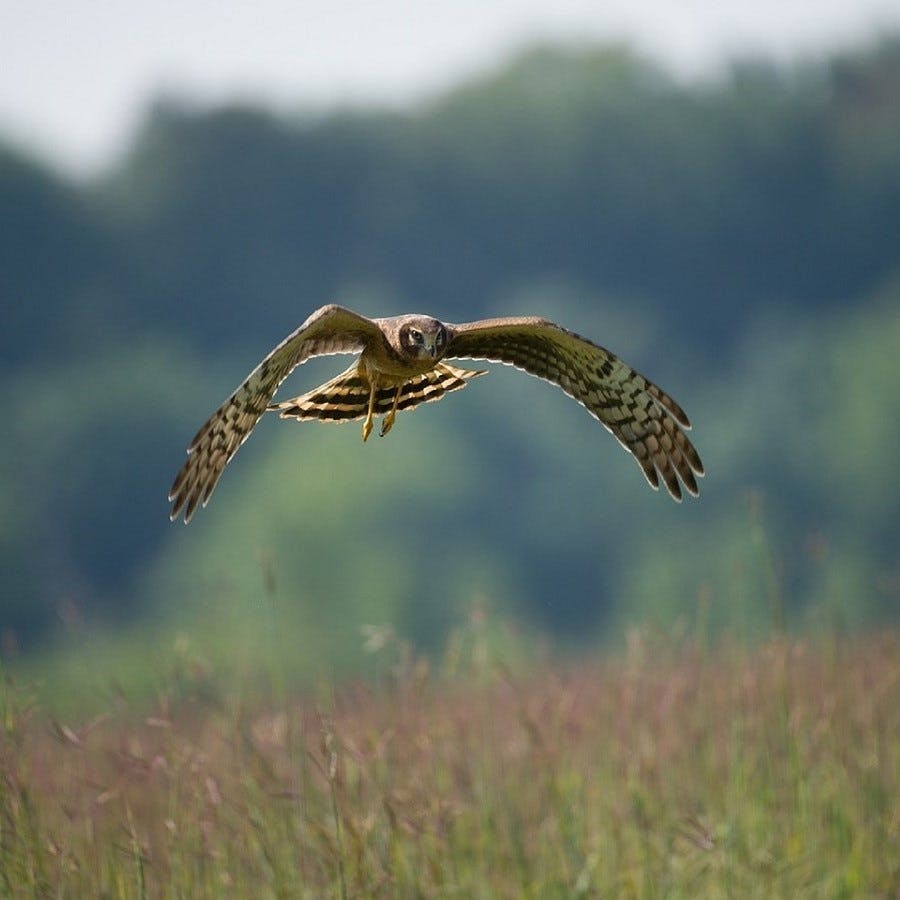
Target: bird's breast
<point>384,365</point>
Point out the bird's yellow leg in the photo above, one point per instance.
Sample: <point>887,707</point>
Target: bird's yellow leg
<point>388,422</point>
<point>367,425</point>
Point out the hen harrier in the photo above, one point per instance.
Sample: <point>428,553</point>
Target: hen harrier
<point>400,365</point>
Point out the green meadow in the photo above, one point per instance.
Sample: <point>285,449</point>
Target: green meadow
<point>669,769</point>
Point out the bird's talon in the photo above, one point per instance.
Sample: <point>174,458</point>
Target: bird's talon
<point>387,423</point>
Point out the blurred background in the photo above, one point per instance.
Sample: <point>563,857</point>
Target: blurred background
<point>714,196</point>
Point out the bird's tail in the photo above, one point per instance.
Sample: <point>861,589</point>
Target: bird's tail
<point>346,397</point>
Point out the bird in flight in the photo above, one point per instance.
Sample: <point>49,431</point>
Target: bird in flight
<point>401,364</point>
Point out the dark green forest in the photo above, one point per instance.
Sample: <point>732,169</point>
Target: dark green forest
<point>737,240</point>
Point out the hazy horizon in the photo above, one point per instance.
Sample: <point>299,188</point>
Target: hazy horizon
<point>79,77</point>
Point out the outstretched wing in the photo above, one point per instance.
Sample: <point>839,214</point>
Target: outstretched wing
<point>645,420</point>
<point>329,330</point>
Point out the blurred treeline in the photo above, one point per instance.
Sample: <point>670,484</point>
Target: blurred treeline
<point>738,241</point>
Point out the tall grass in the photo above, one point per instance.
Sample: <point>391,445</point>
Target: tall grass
<point>669,771</point>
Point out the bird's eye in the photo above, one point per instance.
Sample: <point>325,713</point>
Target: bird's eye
<point>416,336</point>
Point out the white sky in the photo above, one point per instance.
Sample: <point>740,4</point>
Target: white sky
<point>75,75</point>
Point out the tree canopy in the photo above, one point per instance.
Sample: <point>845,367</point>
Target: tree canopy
<point>735,240</point>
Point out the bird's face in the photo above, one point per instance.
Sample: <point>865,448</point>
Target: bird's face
<point>422,338</point>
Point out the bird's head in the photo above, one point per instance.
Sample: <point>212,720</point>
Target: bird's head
<point>421,337</point>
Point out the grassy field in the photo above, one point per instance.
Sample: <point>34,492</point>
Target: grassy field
<point>667,771</point>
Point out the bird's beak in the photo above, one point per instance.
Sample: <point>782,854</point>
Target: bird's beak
<point>431,348</point>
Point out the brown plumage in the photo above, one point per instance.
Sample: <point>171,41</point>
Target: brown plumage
<point>400,366</point>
